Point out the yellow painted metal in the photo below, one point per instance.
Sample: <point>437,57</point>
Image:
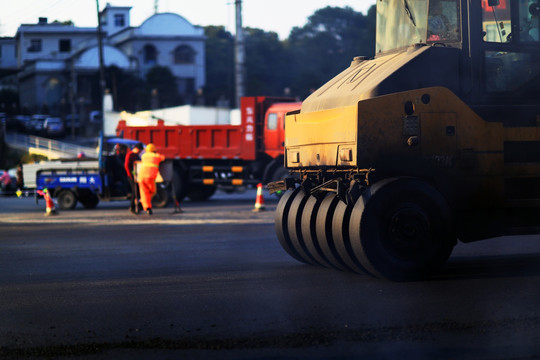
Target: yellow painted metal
<point>359,81</point>
<point>315,139</point>
<point>450,135</point>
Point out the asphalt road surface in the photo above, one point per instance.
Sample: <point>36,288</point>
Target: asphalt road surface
<point>214,283</point>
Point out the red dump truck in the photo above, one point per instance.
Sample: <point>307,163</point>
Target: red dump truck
<point>205,156</point>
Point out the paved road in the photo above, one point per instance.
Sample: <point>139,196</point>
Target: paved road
<point>213,282</point>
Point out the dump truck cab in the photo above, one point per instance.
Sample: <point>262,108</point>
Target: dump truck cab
<point>436,138</point>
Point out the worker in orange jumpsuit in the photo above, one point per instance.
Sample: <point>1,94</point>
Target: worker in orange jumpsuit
<point>147,176</point>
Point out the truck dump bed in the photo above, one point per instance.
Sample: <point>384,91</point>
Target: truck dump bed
<point>196,141</point>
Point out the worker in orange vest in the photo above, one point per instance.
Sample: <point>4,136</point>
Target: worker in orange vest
<point>147,176</point>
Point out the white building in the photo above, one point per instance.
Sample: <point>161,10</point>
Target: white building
<point>170,40</point>
<point>52,56</point>
<point>8,64</point>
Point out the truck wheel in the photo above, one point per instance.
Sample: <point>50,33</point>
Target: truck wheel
<point>201,192</point>
<point>294,227</point>
<point>89,200</point>
<point>281,217</point>
<point>67,200</point>
<point>324,231</point>
<point>402,229</point>
<point>180,183</point>
<point>161,198</point>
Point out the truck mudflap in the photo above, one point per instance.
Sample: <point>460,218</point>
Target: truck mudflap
<point>282,185</point>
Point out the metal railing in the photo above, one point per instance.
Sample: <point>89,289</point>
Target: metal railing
<point>52,149</point>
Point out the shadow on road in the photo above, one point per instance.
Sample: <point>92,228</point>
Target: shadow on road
<point>482,267</point>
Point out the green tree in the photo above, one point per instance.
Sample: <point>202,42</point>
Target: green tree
<point>219,65</point>
<point>160,79</point>
<point>130,92</point>
<point>311,55</point>
<point>266,63</point>
<point>326,45</point>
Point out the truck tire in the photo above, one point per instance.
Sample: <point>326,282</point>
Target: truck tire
<point>402,229</point>
<point>180,183</point>
<point>161,199</point>
<point>67,200</point>
<point>88,199</point>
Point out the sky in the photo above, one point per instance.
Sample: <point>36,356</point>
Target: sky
<point>279,16</point>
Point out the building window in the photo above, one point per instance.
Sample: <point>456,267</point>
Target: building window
<point>184,54</point>
<point>64,45</point>
<point>119,20</point>
<point>35,45</point>
<point>150,55</point>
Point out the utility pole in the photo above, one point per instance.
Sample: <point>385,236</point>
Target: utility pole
<point>101,71</point>
<point>239,54</point>
<point>72,90</point>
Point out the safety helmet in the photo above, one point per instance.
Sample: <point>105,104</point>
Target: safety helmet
<point>151,148</point>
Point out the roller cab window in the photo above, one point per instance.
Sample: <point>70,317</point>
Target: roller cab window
<point>510,37</point>
<point>401,23</point>
<point>506,21</point>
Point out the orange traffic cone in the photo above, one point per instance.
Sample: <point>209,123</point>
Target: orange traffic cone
<point>259,201</point>
<point>50,209</point>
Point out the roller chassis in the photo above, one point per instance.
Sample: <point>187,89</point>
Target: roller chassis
<point>347,184</point>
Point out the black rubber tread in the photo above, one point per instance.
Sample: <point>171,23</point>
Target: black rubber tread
<point>162,198</point>
<point>402,229</point>
<point>281,217</point>
<point>180,183</point>
<point>309,233</point>
<point>323,230</point>
<point>340,234</point>
<point>201,192</point>
<point>294,226</point>
<point>88,199</point>
<point>67,200</point>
